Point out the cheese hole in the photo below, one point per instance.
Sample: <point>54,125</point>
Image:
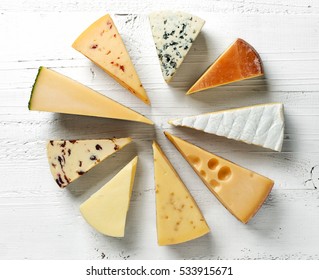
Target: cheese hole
<point>214,183</point>
<point>194,159</point>
<point>203,173</point>
<point>216,186</point>
<point>224,173</point>
<point>212,163</point>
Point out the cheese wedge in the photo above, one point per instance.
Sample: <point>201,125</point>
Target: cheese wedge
<point>69,159</point>
<point>102,43</point>
<point>54,92</point>
<point>173,34</point>
<point>240,190</point>
<point>178,218</point>
<point>261,125</point>
<point>106,209</point>
<point>239,62</point>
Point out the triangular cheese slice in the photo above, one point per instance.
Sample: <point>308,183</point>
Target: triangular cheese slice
<point>69,159</point>
<point>173,33</point>
<point>54,92</point>
<point>106,209</point>
<point>239,62</point>
<point>102,43</point>
<point>178,218</point>
<point>240,190</point>
<point>261,125</point>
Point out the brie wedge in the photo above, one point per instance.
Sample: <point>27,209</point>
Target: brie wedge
<point>261,125</point>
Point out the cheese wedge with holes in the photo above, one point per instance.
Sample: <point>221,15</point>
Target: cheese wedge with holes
<point>102,43</point>
<point>54,92</point>
<point>106,209</point>
<point>178,218</point>
<point>239,62</point>
<point>240,190</point>
<point>173,34</point>
<point>69,159</point>
<point>261,125</point>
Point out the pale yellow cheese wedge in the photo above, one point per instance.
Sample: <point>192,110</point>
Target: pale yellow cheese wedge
<point>54,92</point>
<point>70,159</point>
<point>102,43</point>
<point>240,190</point>
<point>106,209</point>
<point>178,218</point>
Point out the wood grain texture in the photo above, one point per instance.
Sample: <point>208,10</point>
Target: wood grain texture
<point>40,221</point>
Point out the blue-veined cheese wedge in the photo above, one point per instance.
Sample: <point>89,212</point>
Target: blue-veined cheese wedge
<point>173,34</point>
<point>69,159</point>
<point>261,125</point>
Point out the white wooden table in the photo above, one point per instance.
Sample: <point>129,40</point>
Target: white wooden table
<point>40,221</point>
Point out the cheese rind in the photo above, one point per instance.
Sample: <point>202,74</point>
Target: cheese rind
<point>106,209</point>
<point>54,92</point>
<point>69,159</point>
<point>178,218</point>
<point>239,62</point>
<point>102,44</point>
<point>173,34</point>
<point>240,190</point>
<point>261,125</point>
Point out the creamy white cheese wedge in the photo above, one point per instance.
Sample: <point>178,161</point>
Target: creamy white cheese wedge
<point>261,125</point>
<point>70,159</point>
<point>173,33</point>
<point>106,209</point>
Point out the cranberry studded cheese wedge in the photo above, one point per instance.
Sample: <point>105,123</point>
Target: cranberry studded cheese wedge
<point>240,190</point>
<point>106,209</point>
<point>178,218</point>
<point>239,62</point>
<point>54,92</point>
<point>173,34</point>
<point>261,125</point>
<point>69,159</point>
<point>102,43</point>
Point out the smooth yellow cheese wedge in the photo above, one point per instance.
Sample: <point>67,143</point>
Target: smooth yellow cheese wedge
<point>240,190</point>
<point>178,218</point>
<point>54,92</point>
<point>106,209</point>
<point>70,159</point>
<point>102,43</point>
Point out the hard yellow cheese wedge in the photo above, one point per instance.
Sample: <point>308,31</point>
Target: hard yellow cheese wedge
<point>178,218</point>
<point>240,190</point>
<point>54,92</point>
<point>70,159</point>
<point>106,209</point>
<point>102,43</point>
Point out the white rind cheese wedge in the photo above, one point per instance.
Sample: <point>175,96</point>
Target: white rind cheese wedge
<point>69,159</point>
<point>54,92</point>
<point>106,209</point>
<point>102,43</point>
<point>261,125</point>
<point>240,190</point>
<point>173,34</point>
<point>178,218</point>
